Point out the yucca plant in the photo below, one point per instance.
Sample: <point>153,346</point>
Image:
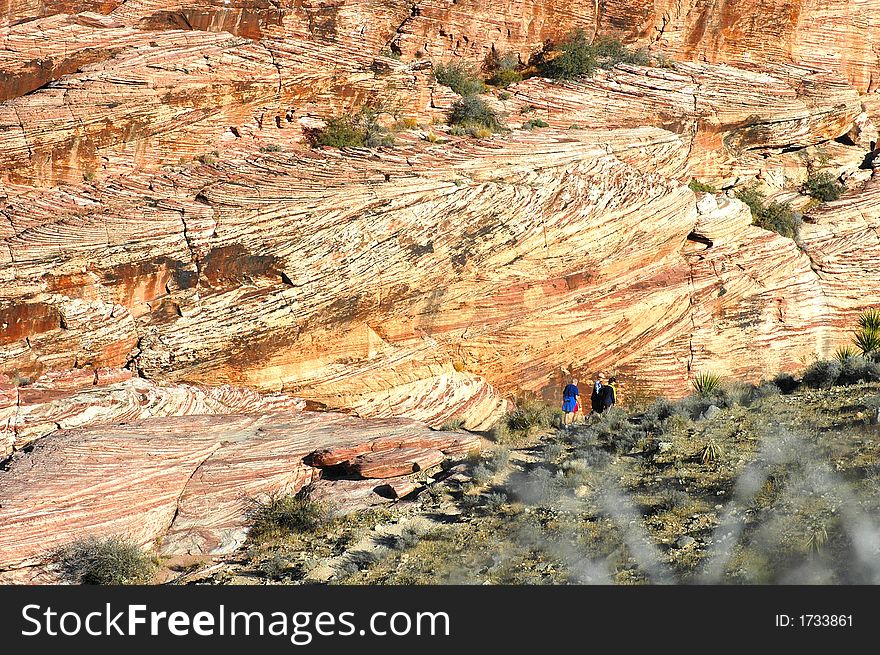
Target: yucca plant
<point>870,320</point>
<point>711,452</point>
<point>817,537</point>
<point>868,341</point>
<point>706,384</point>
<point>843,353</point>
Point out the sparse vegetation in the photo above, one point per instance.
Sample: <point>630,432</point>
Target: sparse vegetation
<point>107,561</point>
<point>503,69</point>
<point>358,130</point>
<point>786,383</point>
<point>471,115</point>
<point>282,514</point>
<point>706,384</point>
<point>578,57</point>
<point>697,186</point>
<point>822,374</point>
<point>272,147</point>
<point>823,186</point>
<point>453,424</point>
<point>461,78</point>
<point>776,217</point>
<point>532,123</point>
<point>528,418</point>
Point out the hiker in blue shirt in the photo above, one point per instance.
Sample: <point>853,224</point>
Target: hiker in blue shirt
<point>570,401</point>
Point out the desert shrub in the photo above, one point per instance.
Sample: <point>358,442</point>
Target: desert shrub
<point>576,57</point>
<point>528,417</point>
<point>482,474</point>
<point>776,217</point>
<point>272,147</point>
<point>706,384</point>
<point>409,537</point>
<point>766,390</point>
<point>535,487</point>
<point>460,77</point>
<point>532,123</point>
<point>494,501</point>
<point>503,69</point>
<point>472,112</point>
<point>108,561</point>
<point>275,567</point>
<point>497,460</point>
<point>858,369</point>
<point>358,130</point>
<point>477,131</point>
<point>786,383</point>
<point>822,374</point>
<point>453,424</point>
<point>285,513</point>
<point>611,52</point>
<point>822,186</point>
<point>672,498</point>
<point>553,451</point>
<point>19,380</point>
<point>697,186</point>
<point>615,431</point>
<point>662,61</point>
<point>592,456</point>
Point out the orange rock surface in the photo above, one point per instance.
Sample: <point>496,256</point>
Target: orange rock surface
<point>166,228</point>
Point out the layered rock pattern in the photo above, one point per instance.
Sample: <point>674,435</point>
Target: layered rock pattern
<point>33,411</point>
<point>161,216</point>
<point>186,481</point>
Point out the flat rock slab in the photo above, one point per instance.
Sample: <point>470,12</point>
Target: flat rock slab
<point>449,443</point>
<point>396,462</point>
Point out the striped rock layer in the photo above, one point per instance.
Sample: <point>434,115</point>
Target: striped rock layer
<point>182,278</point>
<point>178,467</point>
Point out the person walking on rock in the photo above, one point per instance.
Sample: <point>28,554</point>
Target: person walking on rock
<point>570,402</point>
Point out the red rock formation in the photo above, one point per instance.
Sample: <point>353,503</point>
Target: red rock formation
<point>160,214</point>
<point>185,481</point>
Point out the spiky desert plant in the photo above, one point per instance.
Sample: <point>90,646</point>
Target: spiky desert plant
<point>867,337</point>
<point>706,384</point>
<point>817,537</point>
<point>870,319</point>
<point>711,452</point>
<point>844,353</point>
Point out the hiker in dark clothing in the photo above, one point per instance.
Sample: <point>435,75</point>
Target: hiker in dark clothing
<point>596,394</point>
<point>608,395</point>
<point>570,401</point>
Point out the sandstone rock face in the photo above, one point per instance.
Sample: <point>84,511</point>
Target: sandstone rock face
<point>30,412</point>
<point>182,278</point>
<point>184,481</point>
